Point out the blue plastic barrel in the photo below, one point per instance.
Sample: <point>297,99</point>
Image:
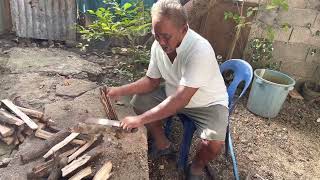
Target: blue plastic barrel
<point>268,92</point>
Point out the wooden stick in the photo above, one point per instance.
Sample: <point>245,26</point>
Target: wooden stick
<point>6,131</point>
<point>81,161</point>
<point>61,144</point>
<point>104,172</point>
<point>82,149</point>
<point>33,113</point>
<point>8,140</point>
<point>10,119</point>
<point>43,134</point>
<point>107,103</point>
<point>43,148</point>
<point>20,114</point>
<point>82,174</point>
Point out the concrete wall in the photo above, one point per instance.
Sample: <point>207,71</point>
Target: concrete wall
<point>298,48</point>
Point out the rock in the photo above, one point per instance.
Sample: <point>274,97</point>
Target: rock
<point>318,120</point>
<point>74,88</point>
<point>70,44</point>
<point>161,167</point>
<point>52,61</point>
<point>44,43</point>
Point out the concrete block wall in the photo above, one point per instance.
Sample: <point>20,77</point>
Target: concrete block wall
<point>298,48</point>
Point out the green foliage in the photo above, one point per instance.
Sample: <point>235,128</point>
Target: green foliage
<point>260,51</point>
<point>129,21</point>
<point>278,4</point>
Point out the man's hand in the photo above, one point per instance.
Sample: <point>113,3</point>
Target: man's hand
<point>112,92</point>
<point>131,122</point>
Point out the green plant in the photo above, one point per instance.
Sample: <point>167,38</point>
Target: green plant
<point>129,21</point>
<point>260,50</point>
<point>258,45</point>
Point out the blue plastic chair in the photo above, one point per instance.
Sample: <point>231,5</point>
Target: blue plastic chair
<point>242,71</point>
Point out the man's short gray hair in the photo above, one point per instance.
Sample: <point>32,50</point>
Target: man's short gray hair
<point>172,9</point>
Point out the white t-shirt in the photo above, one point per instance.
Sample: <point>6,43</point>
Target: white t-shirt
<point>195,66</point>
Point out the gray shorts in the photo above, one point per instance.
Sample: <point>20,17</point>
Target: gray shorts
<point>211,122</point>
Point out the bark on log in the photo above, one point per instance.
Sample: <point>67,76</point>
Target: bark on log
<point>43,148</point>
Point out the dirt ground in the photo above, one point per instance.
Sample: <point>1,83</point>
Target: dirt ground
<point>285,147</point>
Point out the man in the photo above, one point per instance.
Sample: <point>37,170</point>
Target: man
<point>193,86</point>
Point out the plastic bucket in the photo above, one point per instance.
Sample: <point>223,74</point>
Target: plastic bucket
<point>268,92</point>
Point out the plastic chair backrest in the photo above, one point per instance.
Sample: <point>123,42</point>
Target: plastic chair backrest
<point>242,71</point>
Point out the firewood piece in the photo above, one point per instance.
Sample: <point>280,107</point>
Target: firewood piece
<point>78,142</point>
<point>43,148</point>
<point>44,169</point>
<point>111,113</point>
<point>19,134</point>
<point>61,144</point>
<point>9,118</point>
<point>82,174</point>
<point>6,131</point>
<point>8,140</point>
<point>30,112</point>
<point>20,114</point>
<point>104,172</point>
<point>82,149</point>
<point>81,161</point>
<point>43,134</point>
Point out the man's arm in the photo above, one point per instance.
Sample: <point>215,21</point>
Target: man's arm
<point>143,85</point>
<point>165,109</point>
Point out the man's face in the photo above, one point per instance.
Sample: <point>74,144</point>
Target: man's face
<point>167,33</point>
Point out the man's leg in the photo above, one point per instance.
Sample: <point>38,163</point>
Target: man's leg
<point>157,132</point>
<point>207,151</point>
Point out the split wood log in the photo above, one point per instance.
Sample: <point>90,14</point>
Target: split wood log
<point>16,141</point>
<point>81,161</point>
<point>20,114</point>
<point>43,134</point>
<point>104,172</point>
<point>82,149</point>
<point>32,113</point>
<point>82,174</point>
<point>6,131</point>
<point>7,140</point>
<point>9,118</point>
<point>61,144</point>
<point>43,148</point>
<point>43,170</point>
<point>111,114</point>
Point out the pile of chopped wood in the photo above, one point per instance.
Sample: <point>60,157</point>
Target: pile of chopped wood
<point>67,153</point>
<point>16,124</point>
<point>64,153</point>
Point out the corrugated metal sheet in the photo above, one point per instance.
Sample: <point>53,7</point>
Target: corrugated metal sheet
<point>5,20</point>
<point>44,19</point>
